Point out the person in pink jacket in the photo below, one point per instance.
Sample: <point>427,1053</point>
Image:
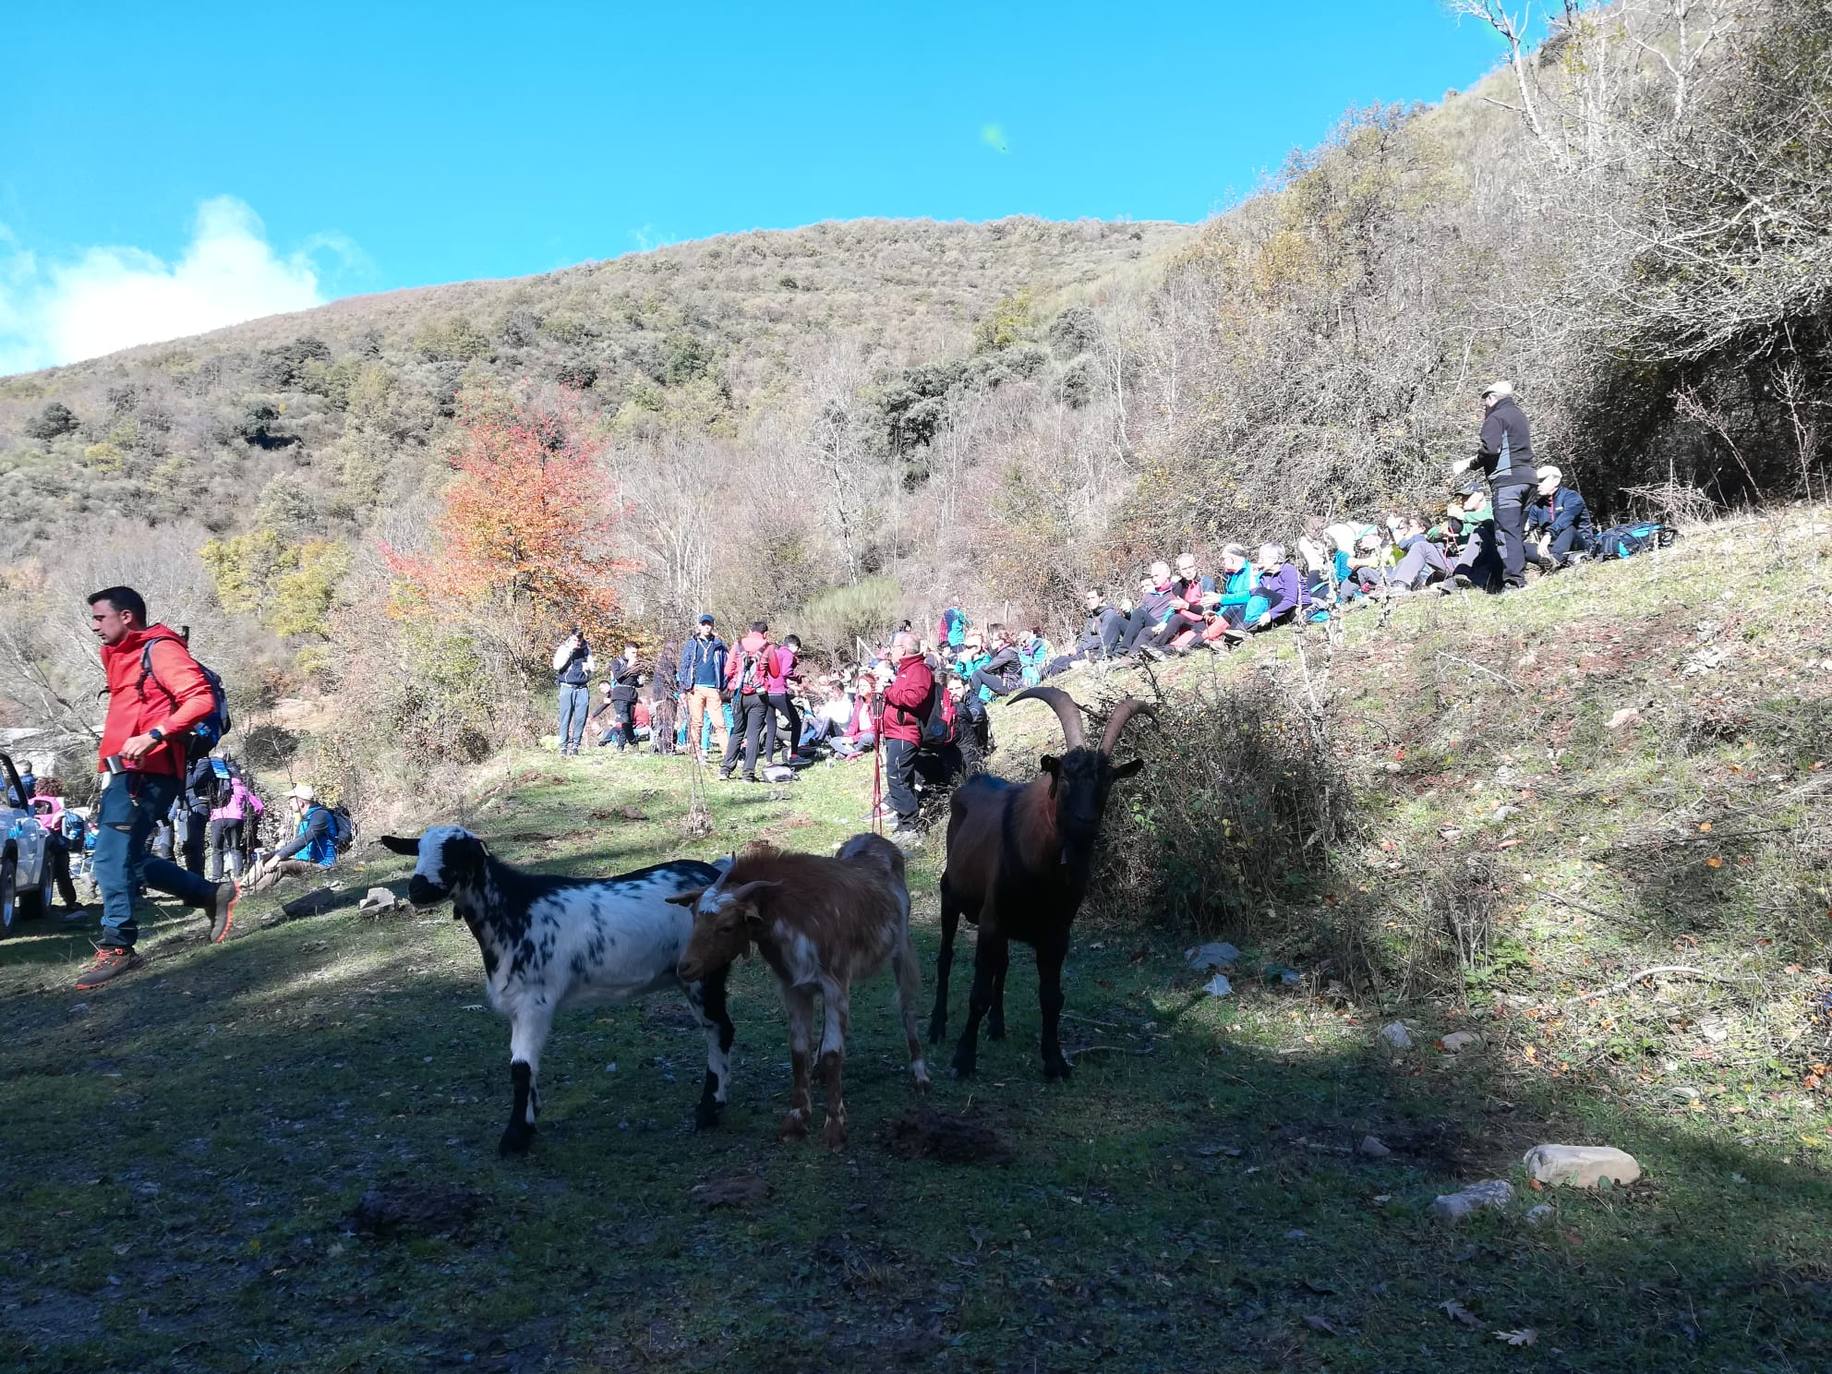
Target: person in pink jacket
<point>232,825</point>
<point>780,683</point>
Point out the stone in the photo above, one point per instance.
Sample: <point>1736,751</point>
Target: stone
<point>1540,1215</point>
<point>1580,1166</point>
<point>1373,1147</point>
<point>379,899</point>
<point>1218,986</point>
<point>1458,1041</point>
<point>1216,954</point>
<point>1466,1202</point>
<point>1396,1035</point>
<point>1628,715</point>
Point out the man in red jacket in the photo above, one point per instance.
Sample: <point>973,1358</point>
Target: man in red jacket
<point>156,693</point>
<point>906,707</point>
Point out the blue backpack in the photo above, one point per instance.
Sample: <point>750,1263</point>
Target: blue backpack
<point>208,732</point>
<point>1625,541</point>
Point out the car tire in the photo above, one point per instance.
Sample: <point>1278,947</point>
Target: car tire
<point>9,904</point>
<point>28,905</point>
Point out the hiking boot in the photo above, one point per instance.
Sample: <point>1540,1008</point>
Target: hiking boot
<point>1462,582</point>
<point>110,962</point>
<point>1153,652</point>
<point>222,910</point>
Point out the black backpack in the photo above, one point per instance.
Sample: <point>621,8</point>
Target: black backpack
<point>343,828</point>
<point>937,729</point>
<point>208,732</point>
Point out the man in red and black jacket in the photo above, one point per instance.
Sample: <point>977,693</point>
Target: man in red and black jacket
<point>156,693</point>
<point>906,707</point>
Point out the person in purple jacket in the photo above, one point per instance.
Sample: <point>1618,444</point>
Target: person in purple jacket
<point>1282,587</point>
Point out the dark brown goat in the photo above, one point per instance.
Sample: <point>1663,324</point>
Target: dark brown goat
<point>1019,855</point>
<point>819,924</point>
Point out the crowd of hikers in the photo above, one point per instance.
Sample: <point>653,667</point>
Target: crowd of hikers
<point>915,703</point>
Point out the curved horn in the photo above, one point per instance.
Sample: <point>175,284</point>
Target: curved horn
<point>1116,722</point>
<point>1065,707</point>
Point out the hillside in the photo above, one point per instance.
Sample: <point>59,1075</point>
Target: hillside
<point>714,330</point>
<point>1620,769</point>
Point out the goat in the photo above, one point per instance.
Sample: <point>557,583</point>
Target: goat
<point>1019,855</point>
<point>819,924</point>
<point>550,941</point>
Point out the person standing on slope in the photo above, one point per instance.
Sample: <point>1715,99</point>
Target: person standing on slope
<point>1504,453</point>
<point>572,672</point>
<point>156,693</point>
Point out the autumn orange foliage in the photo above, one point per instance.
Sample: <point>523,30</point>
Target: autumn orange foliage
<point>525,529</point>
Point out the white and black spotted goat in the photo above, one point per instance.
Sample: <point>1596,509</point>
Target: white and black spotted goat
<point>550,941</point>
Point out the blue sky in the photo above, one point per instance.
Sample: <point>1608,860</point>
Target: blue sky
<point>384,145</point>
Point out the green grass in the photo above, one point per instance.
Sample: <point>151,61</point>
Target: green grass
<point>184,1150</point>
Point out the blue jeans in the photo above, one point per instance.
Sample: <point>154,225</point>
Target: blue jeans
<point>575,705</point>
<point>132,803</point>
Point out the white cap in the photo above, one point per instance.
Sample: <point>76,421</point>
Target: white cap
<point>301,793</point>
<point>1499,390</point>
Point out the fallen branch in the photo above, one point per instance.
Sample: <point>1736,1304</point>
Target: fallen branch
<point>1634,978</point>
<point>1576,905</point>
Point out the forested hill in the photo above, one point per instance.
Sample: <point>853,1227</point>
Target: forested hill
<point>698,337</point>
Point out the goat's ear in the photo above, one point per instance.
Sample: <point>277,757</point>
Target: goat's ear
<point>1127,769</point>
<point>686,899</point>
<point>401,846</point>
<point>1050,764</point>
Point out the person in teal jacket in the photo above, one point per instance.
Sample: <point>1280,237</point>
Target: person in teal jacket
<point>1238,605</point>
<point>1033,654</point>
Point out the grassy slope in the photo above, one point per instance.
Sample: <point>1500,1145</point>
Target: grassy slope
<point>184,1150</point>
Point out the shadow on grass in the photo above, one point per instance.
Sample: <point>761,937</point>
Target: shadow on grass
<point>191,1147</point>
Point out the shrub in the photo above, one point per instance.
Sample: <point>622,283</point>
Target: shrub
<point>53,422</point>
<point>832,621</point>
<point>1244,813</point>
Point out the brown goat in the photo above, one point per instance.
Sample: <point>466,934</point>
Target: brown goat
<point>1019,855</point>
<point>819,924</point>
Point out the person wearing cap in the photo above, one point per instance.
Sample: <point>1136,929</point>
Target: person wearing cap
<point>313,847</point>
<point>1561,520</point>
<point>700,675</point>
<point>1504,453</point>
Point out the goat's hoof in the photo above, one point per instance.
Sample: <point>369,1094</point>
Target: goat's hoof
<point>833,1133</point>
<point>516,1139</point>
<point>995,1030</point>
<point>706,1115</point>
<point>1056,1068</point>
<point>794,1127</point>
<point>963,1068</point>
<point>938,1030</point>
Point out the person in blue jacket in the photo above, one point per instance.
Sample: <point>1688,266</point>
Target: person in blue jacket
<point>700,675</point>
<point>1560,521</point>
<point>313,847</point>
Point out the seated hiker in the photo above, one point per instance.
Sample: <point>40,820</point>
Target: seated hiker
<point>971,657</point>
<point>1372,561</point>
<point>320,835</point>
<point>1235,603</point>
<point>1285,591</point>
<point>1479,564</point>
<point>1102,632</point>
<point>1001,675</point>
<point>860,734</point>
<point>1193,597</point>
<point>1033,654</point>
<point>1150,611</point>
<point>1421,560</point>
<point>1559,522</point>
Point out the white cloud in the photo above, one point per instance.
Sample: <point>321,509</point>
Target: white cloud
<point>113,297</point>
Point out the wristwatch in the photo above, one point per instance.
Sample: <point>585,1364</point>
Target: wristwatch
<point>156,733</point>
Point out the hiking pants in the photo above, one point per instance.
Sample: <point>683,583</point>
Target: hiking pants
<point>747,729</point>
<point>196,828</point>
<point>1566,542</point>
<point>1139,624</point>
<point>575,706</point>
<point>624,731</point>
<point>899,778</point>
<point>1173,627</point>
<point>132,804</point>
<point>781,705</point>
<point>1510,521</point>
<point>1424,562</point>
<point>704,703</point>
<point>225,845</point>
<point>996,685</point>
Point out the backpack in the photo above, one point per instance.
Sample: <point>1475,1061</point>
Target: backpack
<point>1625,541</point>
<point>208,732</point>
<point>938,724</point>
<point>953,628</point>
<point>750,674</point>
<point>343,828</point>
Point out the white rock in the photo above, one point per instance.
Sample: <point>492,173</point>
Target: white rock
<point>1458,1041</point>
<point>1373,1147</point>
<point>1216,954</point>
<point>1494,1192</point>
<point>1218,986</point>
<point>1540,1215</point>
<point>1628,715</point>
<point>379,899</point>
<point>1580,1166</point>
<point>1396,1035</point>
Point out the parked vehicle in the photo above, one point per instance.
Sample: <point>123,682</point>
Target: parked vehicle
<point>25,854</point>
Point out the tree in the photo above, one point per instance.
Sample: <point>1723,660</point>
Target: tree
<point>53,422</point>
<point>524,531</point>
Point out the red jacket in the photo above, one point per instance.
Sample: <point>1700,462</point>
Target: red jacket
<point>906,700</point>
<point>173,698</point>
<point>757,648</point>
